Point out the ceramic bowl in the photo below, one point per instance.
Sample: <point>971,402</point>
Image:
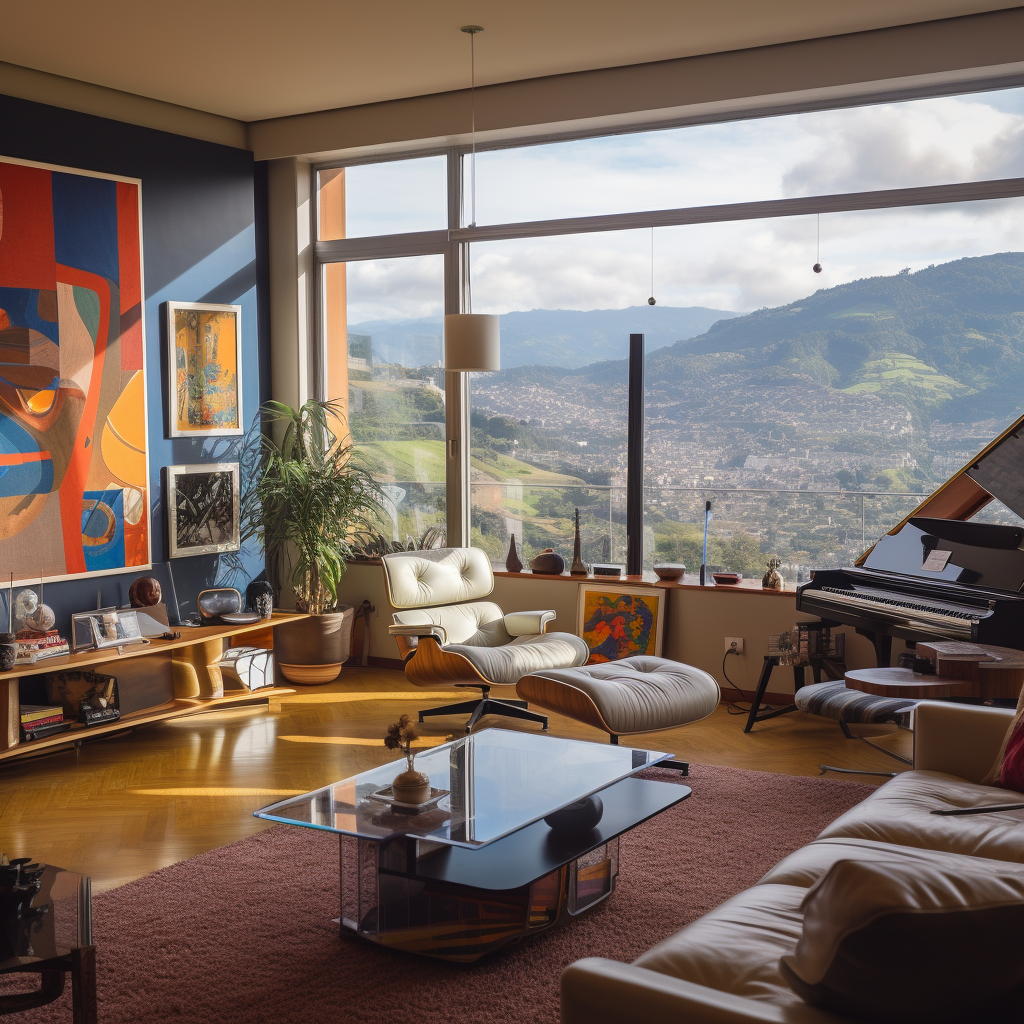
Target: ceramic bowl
<point>726,578</point>
<point>670,571</point>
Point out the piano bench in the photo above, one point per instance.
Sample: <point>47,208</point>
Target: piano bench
<point>836,701</point>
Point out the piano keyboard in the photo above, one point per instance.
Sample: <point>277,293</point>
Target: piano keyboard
<point>952,620</point>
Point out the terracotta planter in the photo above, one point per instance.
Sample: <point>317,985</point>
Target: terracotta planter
<point>312,651</point>
<point>411,787</point>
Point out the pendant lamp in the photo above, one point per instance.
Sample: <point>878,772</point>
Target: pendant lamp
<point>472,341</point>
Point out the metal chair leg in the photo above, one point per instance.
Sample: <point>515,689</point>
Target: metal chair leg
<point>489,706</point>
<point>464,707</point>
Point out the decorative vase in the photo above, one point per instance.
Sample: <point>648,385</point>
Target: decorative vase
<point>548,563</point>
<point>312,650</point>
<point>259,598</point>
<point>577,568</point>
<point>513,563</point>
<point>145,592</point>
<point>8,652</point>
<point>411,787</point>
<point>581,816</point>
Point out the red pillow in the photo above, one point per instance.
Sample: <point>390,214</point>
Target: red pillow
<point>1011,775</point>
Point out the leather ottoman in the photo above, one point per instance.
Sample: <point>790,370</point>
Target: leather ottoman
<point>633,695</point>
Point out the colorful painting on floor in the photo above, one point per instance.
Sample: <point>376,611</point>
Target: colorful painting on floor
<point>74,473</point>
<point>620,622</point>
<point>204,369</point>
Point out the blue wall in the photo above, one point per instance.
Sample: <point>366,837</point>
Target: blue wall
<point>204,240</point>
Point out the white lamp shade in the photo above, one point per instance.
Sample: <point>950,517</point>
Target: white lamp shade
<point>472,343</point>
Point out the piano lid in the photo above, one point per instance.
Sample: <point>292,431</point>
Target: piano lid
<point>997,471</point>
<point>971,554</point>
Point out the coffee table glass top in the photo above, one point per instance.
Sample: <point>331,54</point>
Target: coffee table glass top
<point>494,782</point>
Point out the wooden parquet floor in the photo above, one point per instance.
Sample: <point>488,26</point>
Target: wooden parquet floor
<point>124,806</point>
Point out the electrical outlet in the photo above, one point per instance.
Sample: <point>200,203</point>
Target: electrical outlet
<point>734,643</point>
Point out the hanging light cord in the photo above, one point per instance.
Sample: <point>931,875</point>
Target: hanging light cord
<point>817,248</point>
<point>652,261</point>
<point>472,127</point>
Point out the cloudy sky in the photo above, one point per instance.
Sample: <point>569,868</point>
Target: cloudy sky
<point>737,266</point>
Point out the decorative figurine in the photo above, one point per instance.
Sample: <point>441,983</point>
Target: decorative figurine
<point>145,592</point>
<point>513,563</point>
<point>578,568</point>
<point>772,579</point>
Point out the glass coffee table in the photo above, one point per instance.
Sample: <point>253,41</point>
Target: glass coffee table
<point>521,833</point>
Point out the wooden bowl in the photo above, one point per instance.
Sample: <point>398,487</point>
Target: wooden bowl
<point>670,571</point>
<point>727,578</point>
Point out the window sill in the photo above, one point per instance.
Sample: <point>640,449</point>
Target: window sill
<point>648,579</point>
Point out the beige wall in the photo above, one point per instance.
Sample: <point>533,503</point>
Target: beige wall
<point>919,58</point>
<point>697,622</point>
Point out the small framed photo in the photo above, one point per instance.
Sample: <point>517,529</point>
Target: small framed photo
<point>204,349</point>
<point>203,509</point>
<point>105,627</point>
<point>620,621</point>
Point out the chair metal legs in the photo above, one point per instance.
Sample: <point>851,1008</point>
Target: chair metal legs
<point>486,705</point>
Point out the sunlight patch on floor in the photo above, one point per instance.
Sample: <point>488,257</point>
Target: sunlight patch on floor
<point>360,741</point>
<point>334,697</point>
<point>216,791</point>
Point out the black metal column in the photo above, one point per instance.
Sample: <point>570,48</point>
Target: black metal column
<point>635,459</point>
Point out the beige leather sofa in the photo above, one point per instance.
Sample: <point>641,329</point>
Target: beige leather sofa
<point>724,967</point>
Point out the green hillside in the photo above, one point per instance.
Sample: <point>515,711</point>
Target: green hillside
<point>947,338</point>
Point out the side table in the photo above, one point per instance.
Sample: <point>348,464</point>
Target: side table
<point>49,934</point>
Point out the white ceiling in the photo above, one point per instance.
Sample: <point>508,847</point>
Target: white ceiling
<point>254,59</point>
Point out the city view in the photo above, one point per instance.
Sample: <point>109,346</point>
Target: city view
<point>812,426</point>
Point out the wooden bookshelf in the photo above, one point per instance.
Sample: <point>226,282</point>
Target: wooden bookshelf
<point>197,686</point>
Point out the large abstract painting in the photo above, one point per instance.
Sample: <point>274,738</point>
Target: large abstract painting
<point>204,342</point>
<point>73,448</point>
<point>620,622</point>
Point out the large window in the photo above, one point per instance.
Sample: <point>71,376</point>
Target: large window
<point>813,409</point>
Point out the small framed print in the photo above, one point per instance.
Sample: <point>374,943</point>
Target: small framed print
<point>620,621</point>
<point>204,348</point>
<point>203,509</point>
<point>105,627</point>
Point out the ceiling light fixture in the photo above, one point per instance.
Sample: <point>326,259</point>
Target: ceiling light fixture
<point>472,342</point>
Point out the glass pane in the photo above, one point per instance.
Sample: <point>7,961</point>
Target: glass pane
<point>383,199</point>
<point>893,145</point>
<point>383,330</point>
<point>818,421</point>
<point>492,783</point>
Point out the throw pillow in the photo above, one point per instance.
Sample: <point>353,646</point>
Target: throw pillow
<point>1008,771</point>
<point>902,943</point>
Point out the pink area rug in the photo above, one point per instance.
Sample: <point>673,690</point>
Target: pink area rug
<point>243,934</point>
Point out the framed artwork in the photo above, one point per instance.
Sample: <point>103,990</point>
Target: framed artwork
<point>74,462</point>
<point>620,621</point>
<point>204,346</point>
<point>202,509</point>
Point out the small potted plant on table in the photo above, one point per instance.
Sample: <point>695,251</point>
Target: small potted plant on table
<point>411,786</point>
<point>308,492</point>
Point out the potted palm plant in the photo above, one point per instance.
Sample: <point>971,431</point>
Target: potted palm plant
<point>307,492</point>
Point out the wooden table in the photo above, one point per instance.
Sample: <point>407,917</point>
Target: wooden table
<point>903,682</point>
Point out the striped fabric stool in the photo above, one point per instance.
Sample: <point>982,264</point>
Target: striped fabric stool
<point>847,706</point>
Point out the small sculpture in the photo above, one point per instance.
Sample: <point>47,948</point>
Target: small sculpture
<point>578,568</point>
<point>259,597</point>
<point>772,579</point>
<point>513,563</point>
<point>145,592</point>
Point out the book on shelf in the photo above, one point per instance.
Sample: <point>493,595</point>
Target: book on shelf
<point>35,731</point>
<point>35,645</point>
<point>39,712</point>
<point>33,723</point>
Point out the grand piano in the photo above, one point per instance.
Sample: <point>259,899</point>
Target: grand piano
<point>937,574</point>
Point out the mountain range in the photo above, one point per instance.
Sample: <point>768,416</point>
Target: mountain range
<point>565,338</point>
<point>945,341</point>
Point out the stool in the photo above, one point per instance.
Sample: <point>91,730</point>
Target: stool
<point>639,694</point>
<point>848,706</point>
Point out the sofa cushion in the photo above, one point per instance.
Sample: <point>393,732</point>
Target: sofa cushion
<point>900,812</point>
<point>736,947</point>
<point>952,929</point>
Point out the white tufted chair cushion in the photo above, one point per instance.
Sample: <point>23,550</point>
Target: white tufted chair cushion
<point>420,579</point>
